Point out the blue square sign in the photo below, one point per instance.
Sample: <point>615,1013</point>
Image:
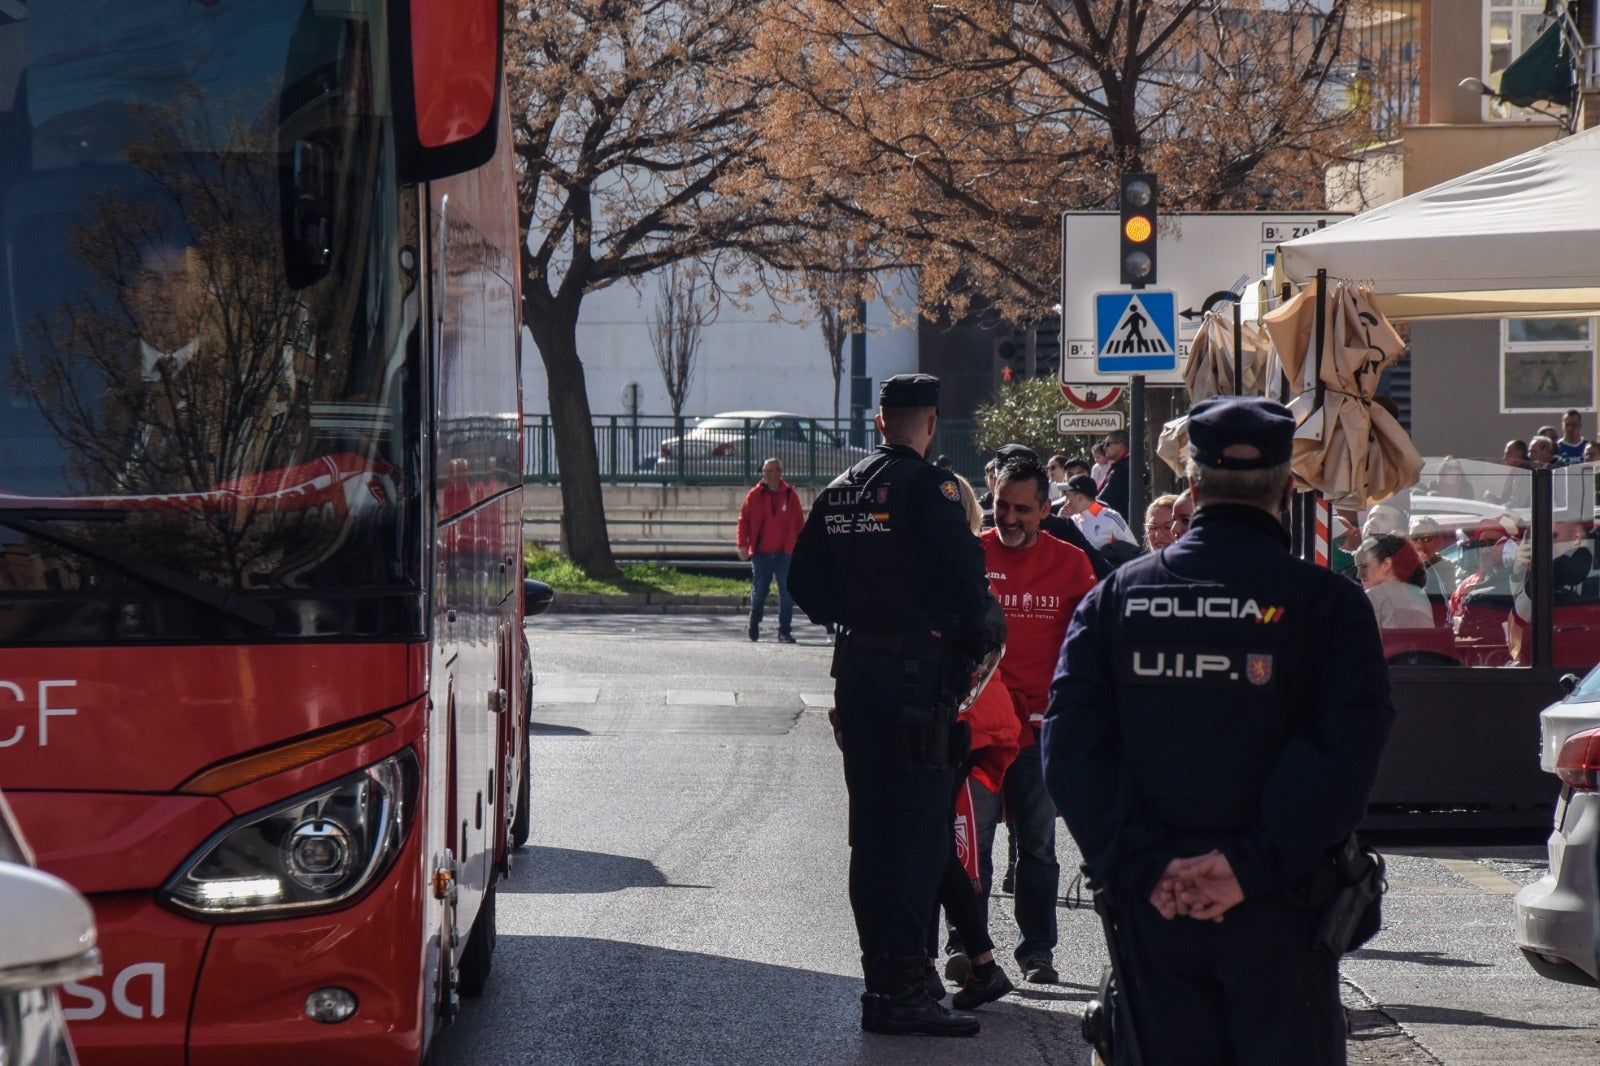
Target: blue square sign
<point>1136,331</point>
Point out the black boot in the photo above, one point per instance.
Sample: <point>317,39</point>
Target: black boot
<point>906,1008</point>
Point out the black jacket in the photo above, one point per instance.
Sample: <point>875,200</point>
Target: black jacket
<point>1221,694</point>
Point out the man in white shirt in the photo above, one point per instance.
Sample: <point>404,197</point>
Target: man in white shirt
<point>1102,526</point>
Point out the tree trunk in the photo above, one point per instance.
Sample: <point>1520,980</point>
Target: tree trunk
<point>583,515</point>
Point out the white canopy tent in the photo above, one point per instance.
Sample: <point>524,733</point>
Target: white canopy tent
<point>1518,238</point>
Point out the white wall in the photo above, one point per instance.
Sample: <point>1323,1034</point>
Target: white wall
<point>746,361</point>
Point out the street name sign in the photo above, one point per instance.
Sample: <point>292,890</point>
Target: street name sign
<point>1207,260</point>
<point>1136,331</point>
<point>1088,421</point>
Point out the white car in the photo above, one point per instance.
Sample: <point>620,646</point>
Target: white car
<point>736,443</point>
<point>47,938</point>
<point>1555,916</point>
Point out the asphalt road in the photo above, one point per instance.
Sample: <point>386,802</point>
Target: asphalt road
<point>683,901</point>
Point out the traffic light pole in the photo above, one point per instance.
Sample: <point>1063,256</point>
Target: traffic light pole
<point>1136,457</point>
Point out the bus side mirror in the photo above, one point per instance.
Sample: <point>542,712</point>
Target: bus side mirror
<point>536,597</point>
<point>447,84</point>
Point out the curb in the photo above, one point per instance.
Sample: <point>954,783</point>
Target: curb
<point>650,603</point>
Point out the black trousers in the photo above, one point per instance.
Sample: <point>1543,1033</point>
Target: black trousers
<point>899,811</point>
<point>1250,990</point>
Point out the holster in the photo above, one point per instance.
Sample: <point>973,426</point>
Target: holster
<point>933,737</point>
<point>1346,886</point>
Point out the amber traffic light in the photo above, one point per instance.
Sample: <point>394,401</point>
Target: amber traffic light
<point>1137,202</point>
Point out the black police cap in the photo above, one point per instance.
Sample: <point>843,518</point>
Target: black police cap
<point>909,390</point>
<point>1221,422</point>
<point>1007,452</point>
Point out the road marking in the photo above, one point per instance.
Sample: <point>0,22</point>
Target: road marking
<point>817,699</point>
<point>1471,871</point>
<point>678,697</point>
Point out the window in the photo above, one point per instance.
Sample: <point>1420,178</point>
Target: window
<point>1547,364</point>
<point>1510,26</point>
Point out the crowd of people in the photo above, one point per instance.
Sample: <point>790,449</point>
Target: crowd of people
<point>933,587</point>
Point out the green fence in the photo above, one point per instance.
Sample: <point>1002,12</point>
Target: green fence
<point>645,449</point>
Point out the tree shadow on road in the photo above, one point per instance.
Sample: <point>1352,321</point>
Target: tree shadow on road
<point>589,1002</point>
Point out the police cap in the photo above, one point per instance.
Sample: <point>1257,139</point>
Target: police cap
<point>1007,452</point>
<point>909,390</point>
<point>1221,422</point>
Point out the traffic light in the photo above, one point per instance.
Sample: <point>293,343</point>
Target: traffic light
<point>1137,202</point>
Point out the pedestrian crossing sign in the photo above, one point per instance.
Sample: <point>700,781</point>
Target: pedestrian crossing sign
<point>1136,332</point>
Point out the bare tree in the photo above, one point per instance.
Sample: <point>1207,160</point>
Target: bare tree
<point>965,127</point>
<point>675,331</point>
<point>631,121</point>
<point>838,299</point>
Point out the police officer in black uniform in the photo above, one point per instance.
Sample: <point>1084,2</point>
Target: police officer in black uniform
<point>1213,734</point>
<point>887,556</point>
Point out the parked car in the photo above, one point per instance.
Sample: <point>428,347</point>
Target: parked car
<point>1555,916</point>
<point>736,443</point>
<point>47,938</point>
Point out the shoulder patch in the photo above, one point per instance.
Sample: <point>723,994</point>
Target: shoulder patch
<point>951,491</point>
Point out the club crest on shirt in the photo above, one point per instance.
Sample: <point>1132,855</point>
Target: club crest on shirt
<point>951,492</point>
<point>1258,668</point>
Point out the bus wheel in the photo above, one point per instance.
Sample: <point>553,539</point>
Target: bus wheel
<point>476,957</point>
<point>522,821</point>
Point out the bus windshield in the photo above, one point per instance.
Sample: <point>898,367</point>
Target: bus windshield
<point>210,394</point>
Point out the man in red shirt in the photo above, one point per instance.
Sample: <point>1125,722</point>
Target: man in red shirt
<point>1038,581</point>
<point>769,524</point>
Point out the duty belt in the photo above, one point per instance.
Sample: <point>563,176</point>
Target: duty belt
<point>923,646</point>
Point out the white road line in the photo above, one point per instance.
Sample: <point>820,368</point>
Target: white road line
<point>1471,871</point>
<point>678,697</point>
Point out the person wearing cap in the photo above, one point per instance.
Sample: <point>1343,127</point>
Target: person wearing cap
<point>1058,526</point>
<point>886,555</point>
<point>1213,735</point>
<point>1440,575</point>
<point>1101,525</point>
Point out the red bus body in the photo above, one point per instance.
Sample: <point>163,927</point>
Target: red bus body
<point>263,684</point>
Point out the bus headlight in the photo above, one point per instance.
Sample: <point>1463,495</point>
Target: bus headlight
<point>317,850</point>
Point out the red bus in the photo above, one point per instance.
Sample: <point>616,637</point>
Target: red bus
<point>263,684</point>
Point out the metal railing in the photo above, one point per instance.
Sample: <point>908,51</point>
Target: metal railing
<point>645,449</point>
<point>1591,66</point>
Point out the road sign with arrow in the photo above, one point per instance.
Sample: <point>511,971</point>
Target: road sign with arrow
<point>1202,257</point>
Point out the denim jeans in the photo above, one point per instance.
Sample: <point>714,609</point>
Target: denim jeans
<point>764,566</point>
<point>1033,822</point>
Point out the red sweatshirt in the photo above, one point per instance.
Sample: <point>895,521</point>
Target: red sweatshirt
<point>1038,587</point>
<point>770,519</point>
<point>994,732</point>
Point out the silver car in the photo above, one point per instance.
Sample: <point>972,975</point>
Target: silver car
<point>47,938</point>
<point>1555,916</point>
<point>736,443</point>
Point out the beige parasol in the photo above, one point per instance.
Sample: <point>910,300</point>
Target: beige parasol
<point>1347,447</point>
<point>1209,372</point>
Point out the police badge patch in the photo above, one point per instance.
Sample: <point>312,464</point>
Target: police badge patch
<point>951,492</point>
<point>1258,669</point>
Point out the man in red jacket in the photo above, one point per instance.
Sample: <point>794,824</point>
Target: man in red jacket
<point>769,524</point>
<point>1038,581</point>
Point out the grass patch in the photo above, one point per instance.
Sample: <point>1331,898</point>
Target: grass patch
<point>564,575</point>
